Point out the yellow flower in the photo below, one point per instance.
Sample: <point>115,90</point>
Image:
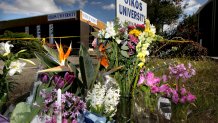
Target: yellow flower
<point>135,32</point>
<point>141,64</point>
<point>147,25</point>
<point>141,55</point>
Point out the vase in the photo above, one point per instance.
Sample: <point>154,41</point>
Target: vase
<point>123,114</point>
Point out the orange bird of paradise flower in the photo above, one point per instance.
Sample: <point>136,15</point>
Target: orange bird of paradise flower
<point>61,61</point>
<point>103,58</point>
<point>63,56</point>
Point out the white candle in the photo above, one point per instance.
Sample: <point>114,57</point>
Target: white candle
<point>59,117</point>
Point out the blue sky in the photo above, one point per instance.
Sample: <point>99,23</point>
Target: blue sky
<point>101,9</point>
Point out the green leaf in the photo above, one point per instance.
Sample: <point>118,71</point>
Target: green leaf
<point>95,34</point>
<point>124,47</point>
<point>28,61</point>
<point>51,51</point>
<point>20,113</point>
<point>124,53</point>
<point>86,68</point>
<point>3,100</point>
<point>46,60</point>
<point>21,51</point>
<point>55,69</point>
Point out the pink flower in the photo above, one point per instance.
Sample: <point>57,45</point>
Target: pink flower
<point>130,27</point>
<point>133,39</point>
<point>64,121</point>
<point>191,98</point>
<point>154,89</point>
<point>94,43</point>
<point>74,121</point>
<point>140,26</point>
<point>151,79</point>
<point>141,79</point>
<point>164,78</point>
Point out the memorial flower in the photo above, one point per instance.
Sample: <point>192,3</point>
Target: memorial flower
<point>16,66</point>
<point>171,86</point>
<point>63,56</point>
<point>71,106</point>
<point>5,48</point>
<point>104,98</point>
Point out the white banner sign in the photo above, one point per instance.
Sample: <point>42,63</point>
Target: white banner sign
<point>89,18</point>
<point>51,33</point>
<point>38,31</point>
<point>134,11</point>
<point>62,16</point>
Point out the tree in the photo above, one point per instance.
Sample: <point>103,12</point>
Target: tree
<point>162,12</point>
<point>187,29</point>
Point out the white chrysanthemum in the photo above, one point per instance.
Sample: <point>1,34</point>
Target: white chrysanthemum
<point>16,66</point>
<point>110,32</point>
<point>5,48</point>
<point>96,97</point>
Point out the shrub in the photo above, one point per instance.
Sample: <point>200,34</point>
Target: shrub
<point>168,49</point>
<point>27,42</point>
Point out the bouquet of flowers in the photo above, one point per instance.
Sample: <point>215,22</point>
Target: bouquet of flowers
<point>122,44</point>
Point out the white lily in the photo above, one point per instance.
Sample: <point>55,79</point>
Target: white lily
<point>16,66</point>
<point>5,48</point>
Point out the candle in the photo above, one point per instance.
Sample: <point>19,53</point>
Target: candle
<point>59,117</point>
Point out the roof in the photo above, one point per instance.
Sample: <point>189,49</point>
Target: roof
<point>43,19</point>
<point>203,6</point>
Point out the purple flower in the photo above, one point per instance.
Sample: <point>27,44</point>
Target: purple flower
<point>191,98</point>
<point>69,77</point>
<point>183,91</point>
<point>58,81</point>
<point>183,99</point>
<point>44,78</point>
<point>175,99</point>
<point>175,96</point>
<point>154,89</point>
<point>151,79</point>
<point>163,88</point>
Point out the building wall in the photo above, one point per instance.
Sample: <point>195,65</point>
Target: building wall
<point>208,27</point>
